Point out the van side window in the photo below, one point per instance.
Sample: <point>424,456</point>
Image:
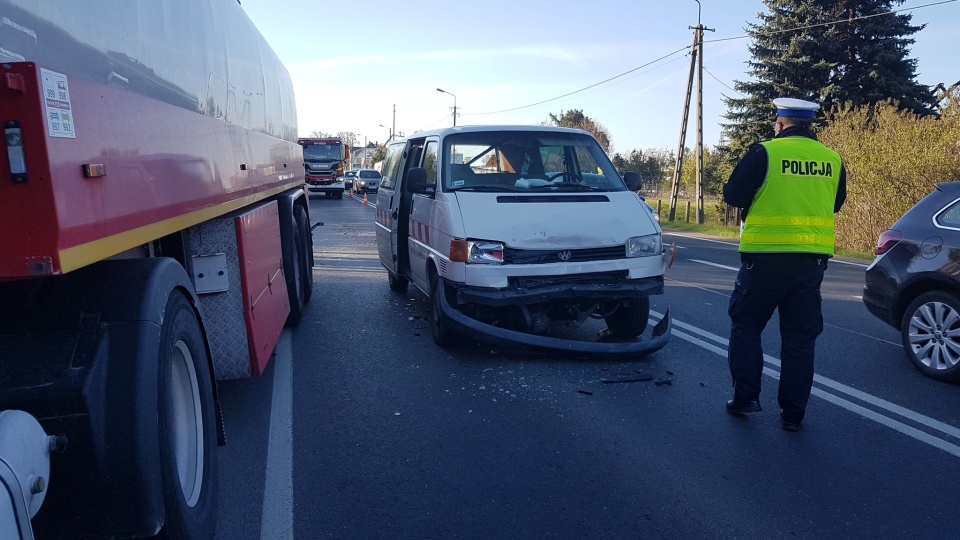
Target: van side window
<point>391,165</point>
<point>430,163</point>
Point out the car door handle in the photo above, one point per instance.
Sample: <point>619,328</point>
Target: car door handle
<point>394,214</point>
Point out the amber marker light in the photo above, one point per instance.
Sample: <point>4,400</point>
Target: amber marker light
<point>458,250</point>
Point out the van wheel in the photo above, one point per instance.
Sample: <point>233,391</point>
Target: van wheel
<point>397,283</point>
<point>188,436</point>
<point>440,327</point>
<point>630,319</point>
<point>930,332</point>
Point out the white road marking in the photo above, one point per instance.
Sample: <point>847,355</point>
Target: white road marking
<point>841,388</point>
<point>670,233</point>
<point>277,520</point>
<point>708,263</point>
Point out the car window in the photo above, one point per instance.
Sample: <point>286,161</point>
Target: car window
<point>950,217</point>
<point>369,174</point>
<point>391,163</point>
<point>430,163</point>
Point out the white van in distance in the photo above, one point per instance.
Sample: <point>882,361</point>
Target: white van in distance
<point>508,229</point>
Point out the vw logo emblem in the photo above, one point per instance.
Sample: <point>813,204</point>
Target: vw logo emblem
<point>565,255</point>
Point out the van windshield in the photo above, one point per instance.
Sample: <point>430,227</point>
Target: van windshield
<point>526,161</point>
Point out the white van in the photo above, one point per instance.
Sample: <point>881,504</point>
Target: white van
<point>509,229</point>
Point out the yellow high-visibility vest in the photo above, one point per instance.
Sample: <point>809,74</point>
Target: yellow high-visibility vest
<point>792,212</point>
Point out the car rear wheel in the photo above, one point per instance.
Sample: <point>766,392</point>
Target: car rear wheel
<point>930,331</point>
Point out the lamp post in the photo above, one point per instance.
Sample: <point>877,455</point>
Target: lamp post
<point>454,105</point>
<point>389,131</point>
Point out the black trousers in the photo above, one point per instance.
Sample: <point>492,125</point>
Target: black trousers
<point>789,283</point>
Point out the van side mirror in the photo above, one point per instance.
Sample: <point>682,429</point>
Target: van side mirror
<point>417,181</point>
<point>632,180</point>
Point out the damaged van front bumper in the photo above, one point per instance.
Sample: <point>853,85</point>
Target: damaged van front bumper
<point>650,341</point>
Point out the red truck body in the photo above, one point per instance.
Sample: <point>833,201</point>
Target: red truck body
<point>156,240</point>
<point>324,161</point>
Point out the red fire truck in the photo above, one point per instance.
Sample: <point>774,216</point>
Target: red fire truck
<point>156,239</point>
<point>324,161</point>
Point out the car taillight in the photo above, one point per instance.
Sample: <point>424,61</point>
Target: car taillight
<point>887,240</point>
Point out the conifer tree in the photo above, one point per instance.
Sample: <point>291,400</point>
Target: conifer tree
<point>833,52</point>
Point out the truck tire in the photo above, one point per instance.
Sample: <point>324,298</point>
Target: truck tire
<point>630,319</point>
<point>187,424</point>
<point>301,288</point>
<point>440,327</point>
<point>340,194</point>
<point>306,237</point>
<point>397,283</point>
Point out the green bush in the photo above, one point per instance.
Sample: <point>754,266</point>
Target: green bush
<point>893,159</point>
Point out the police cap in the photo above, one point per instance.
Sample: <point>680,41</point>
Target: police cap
<point>795,108</point>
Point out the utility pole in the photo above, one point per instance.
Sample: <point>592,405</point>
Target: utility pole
<point>394,128</point>
<point>696,65</point>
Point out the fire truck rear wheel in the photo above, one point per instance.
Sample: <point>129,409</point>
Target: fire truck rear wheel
<point>187,424</point>
<point>300,276</point>
<point>306,239</point>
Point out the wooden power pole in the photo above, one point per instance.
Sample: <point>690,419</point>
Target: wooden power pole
<point>696,65</point>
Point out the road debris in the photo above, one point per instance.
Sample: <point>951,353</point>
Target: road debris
<point>663,382</point>
<point>585,392</point>
<point>640,378</point>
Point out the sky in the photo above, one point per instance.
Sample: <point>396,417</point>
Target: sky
<point>352,63</point>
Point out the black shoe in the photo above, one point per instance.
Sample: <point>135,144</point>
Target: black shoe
<point>788,424</point>
<point>739,407</point>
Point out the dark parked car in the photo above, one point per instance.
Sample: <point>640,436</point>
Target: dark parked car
<point>367,181</point>
<point>914,282</point>
<point>348,178</point>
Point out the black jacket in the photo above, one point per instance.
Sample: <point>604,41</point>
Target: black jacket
<point>748,175</point>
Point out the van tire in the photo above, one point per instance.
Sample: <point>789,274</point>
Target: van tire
<point>397,283</point>
<point>440,326</point>
<point>630,319</point>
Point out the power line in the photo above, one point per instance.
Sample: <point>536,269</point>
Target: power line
<point>719,81</point>
<point>745,36</point>
<point>588,87</point>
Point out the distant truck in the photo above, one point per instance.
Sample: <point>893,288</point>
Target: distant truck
<point>156,239</point>
<point>511,229</point>
<point>324,162</point>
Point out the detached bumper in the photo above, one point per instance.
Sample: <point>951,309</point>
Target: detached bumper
<point>658,336</point>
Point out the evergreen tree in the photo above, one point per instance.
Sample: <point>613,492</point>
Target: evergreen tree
<point>800,50</point>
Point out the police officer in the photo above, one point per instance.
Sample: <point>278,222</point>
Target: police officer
<point>790,187</point>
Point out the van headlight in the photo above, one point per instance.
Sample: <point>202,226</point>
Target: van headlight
<point>644,246</point>
<point>484,252</point>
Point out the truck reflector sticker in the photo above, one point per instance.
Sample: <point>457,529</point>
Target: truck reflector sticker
<point>56,96</point>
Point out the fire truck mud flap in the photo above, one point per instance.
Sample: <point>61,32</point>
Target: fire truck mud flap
<point>658,336</point>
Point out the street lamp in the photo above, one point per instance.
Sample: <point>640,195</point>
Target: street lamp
<point>454,105</point>
<point>389,131</point>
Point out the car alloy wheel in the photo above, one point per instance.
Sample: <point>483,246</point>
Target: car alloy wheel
<point>930,333</point>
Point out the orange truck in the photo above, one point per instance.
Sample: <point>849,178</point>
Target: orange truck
<point>156,239</point>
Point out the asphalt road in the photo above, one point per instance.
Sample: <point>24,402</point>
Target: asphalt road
<point>363,428</point>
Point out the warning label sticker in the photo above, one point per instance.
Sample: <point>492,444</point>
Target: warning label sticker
<point>56,95</point>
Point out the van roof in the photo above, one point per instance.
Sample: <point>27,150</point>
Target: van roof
<point>443,132</point>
